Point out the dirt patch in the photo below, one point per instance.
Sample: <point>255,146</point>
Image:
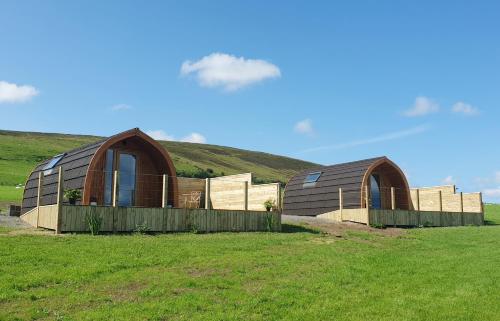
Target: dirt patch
<point>337,229</point>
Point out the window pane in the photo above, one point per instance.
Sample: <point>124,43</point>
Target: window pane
<point>127,180</point>
<point>375,191</point>
<point>312,177</point>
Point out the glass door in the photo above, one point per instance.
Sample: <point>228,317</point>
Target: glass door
<point>375,191</point>
<point>126,179</point>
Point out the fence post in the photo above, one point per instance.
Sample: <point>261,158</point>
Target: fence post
<point>393,198</point>
<point>60,192</point>
<point>461,208</point>
<point>341,203</point>
<point>418,200</point>
<point>164,197</point>
<point>418,207</point>
<point>440,208</point>
<point>207,194</point>
<point>245,190</point>
<point>115,187</point>
<point>278,199</point>
<point>39,197</point>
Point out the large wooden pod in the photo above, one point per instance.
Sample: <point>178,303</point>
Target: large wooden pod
<point>316,191</point>
<point>90,169</point>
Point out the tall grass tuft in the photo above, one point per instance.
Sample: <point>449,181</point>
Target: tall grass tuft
<point>270,222</point>
<point>94,221</point>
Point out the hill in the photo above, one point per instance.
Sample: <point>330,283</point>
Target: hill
<point>21,151</point>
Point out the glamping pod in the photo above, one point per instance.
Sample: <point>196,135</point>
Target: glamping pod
<point>316,191</point>
<point>139,160</point>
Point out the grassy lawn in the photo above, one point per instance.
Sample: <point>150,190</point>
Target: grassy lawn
<point>425,274</point>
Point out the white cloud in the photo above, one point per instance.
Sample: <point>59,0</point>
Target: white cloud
<point>191,138</point>
<point>423,106</point>
<point>304,127</point>
<point>449,180</point>
<point>159,135</point>
<point>373,140</point>
<point>465,109</point>
<point>228,71</point>
<point>12,93</point>
<point>119,107</point>
<point>492,192</point>
<point>194,138</point>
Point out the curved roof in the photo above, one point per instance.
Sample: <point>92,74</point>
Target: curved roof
<point>322,196</point>
<point>75,164</point>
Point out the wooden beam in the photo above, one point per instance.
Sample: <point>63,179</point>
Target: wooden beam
<point>461,202</point>
<point>207,194</point>
<point>393,198</point>
<point>418,200</point>
<point>440,201</point>
<point>341,203</point>
<point>164,196</point>
<point>60,195</point>
<point>115,188</point>
<point>39,197</point>
<point>278,199</point>
<point>245,191</point>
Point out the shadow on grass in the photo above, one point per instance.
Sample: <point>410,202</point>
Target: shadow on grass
<point>491,223</point>
<point>290,228</point>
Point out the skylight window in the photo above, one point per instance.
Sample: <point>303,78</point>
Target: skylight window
<point>52,163</point>
<point>312,177</point>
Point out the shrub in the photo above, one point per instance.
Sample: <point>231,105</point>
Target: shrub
<point>142,228</point>
<point>72,195</point>
<point>94,222</point>
<point>269,204</point>
<point>378,225</point>
<point>270,222</point>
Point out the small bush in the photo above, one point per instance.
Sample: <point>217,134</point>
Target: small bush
<point>94,222</point>
<point>270,222</point>
<point>142,228</point>
<point>269,204</point>
<point>378,225</point>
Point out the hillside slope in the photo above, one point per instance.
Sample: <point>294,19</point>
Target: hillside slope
<point>21,151</point>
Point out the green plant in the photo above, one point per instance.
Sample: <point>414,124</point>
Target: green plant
<point>193,228</point>
<point>270,204</point>
<point>378,225</point>
<point>142,228</point>
<point>270,222</point>
<point>72,195</point>
<point>94,222</point>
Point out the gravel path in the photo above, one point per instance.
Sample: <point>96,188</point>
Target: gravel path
<point>336,228</point>
<point>13,222</point>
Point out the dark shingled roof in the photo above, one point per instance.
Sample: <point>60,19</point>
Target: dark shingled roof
<point>74,163</point>
<point>323,196</point>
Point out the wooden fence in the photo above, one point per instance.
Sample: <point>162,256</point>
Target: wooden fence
<point>423,218</point>
<point>404,217</point>
<point>128,219</point>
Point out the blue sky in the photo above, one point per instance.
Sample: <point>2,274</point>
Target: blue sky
<point>325,82</point>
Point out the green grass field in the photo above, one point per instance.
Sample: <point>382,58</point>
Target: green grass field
<point>424,274</point>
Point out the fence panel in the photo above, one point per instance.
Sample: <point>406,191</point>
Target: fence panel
<point>121,219</point>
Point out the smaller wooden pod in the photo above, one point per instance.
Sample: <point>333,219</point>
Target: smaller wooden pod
<point>316,191</point>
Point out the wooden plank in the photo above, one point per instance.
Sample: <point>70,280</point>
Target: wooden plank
<point>60,194</point>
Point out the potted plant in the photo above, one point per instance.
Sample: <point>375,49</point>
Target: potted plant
<point>72,195</point>
<point>269,204</point>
